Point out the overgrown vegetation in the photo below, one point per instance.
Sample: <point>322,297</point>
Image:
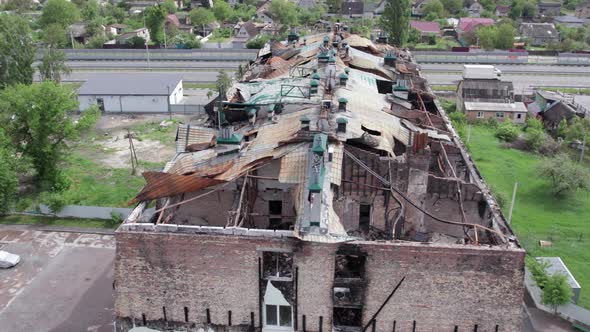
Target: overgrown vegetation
<point>48,221</point>
<point>537,214</point>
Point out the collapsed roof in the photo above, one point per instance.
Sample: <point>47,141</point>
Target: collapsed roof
<point>324,110</point>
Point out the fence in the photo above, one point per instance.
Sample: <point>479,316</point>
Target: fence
<point>185,108</point>
<point>502,57</point>
<point>86,212</point>
<point>208,54</point>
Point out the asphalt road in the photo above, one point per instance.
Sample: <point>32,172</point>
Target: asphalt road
<point>130,64</point>
<point>515,68</point>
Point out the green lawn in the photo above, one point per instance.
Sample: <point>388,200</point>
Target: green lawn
<point>449,87</point>
<point>47,221</point>
<point>96,185</point>
<point>581,91</point>
<point>199,85</point>
<point>537,214</point>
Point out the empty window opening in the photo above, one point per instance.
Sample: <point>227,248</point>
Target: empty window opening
<point>208,316</point>
<point>475,328</point>
<point>164,313</point>
<point>384,87</point>
<point>229,318</point>
<point>186,314</point>
<point>480,115</point>
<point>456,328</point>
<point>497,327</point>
<point>278,315</point>
<point>414,326</point>
<point>347,317</point>
<point>518,116</point>
<point>275,208</point>
<point>364,217</point>
<point>143,319</point>
<point>100,103</point>
<point>277,265</point>
<point>349,266</point>
<point>394,324</point>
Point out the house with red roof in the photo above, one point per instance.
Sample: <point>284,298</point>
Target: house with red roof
<point>468,24</point>
<point>502,10</point>
<point>428,30</point>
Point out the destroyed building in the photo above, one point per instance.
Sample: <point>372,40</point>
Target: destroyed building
<point>327,192</point>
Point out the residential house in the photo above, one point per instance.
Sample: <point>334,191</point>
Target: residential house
<point>79,32</point>
<point>503,10</point>
<point>262,13</point>
<point>141,32</point>
<point>583,10</point>
<point>418,7</point>
<point>570,21</point>
<point>475,9</point>
<point>379,8</point>
<point>469,24</point>
<point>353,8</point>
<point>173,21</point>
<point>130,93</point>
<point>539,34</point>
<point>115,29</point>
<point>246,32</point>
<point>137,7</point>
<point>201,3</point>
<point>549,8</point>
<point>482,94</point>
<point>553,107</point>
<point>428,30</point>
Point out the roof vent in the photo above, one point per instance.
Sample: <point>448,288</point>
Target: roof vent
<point>304,123</point>
<point>389,59</point>
<point>228,136</point>
<point>343,79</point>
<point>341,125</point>
<point>315,76</point>
<point>313,87</point>
<point>342,104</point>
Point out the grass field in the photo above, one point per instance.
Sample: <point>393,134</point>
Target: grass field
<point>199,85</point>
<point>581,91</point>
<point>537,214</point>
<point>47,221</point>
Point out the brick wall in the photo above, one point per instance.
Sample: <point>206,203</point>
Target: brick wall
<point>444,287</point>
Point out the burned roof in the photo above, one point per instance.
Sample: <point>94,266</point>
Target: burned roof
<point>318,131</point>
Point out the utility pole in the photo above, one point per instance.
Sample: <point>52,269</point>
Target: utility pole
<point>133,155</point>
<point>168,99</point>
<point>147,51</point>
<point>468,132</point>
<point>583,148</point>
<point>512,203</point>
<point>165,45</point>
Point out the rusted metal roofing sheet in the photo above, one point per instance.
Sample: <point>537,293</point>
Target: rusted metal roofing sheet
<point>337,155</point>
<point>187,135</point>
<point>294,165</point>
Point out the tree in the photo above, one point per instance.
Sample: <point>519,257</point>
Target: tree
<point>17,51</point>
<point>433,10</point>
<point>504,36</point>
<point>486,35</point>
<point>284,12</point>
<point>53,65</point>
<point>556,291</point>
<point>136,42</point>
<point>529,9</point>
<point>243,12</point>
<point>222,10</point>
<point>61,12</point>
<point>90,10</point>
<point>578,129</point>
<point>395,20</point>
<point>54,35</point>
<point>222,83</point>
<point>18,5</point>
<point>201,16</point>
<point>452,6</point>
<point>155,16</point>
<point>565,175</point>
<point>35,118</point>
<point>507,131</point>
<point>8,174</point>
<point>169,6</point>
<point>562,129</point>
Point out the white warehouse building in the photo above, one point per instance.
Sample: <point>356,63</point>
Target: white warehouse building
<point>131,92</point>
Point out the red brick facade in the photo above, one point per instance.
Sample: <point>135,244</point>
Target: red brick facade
<point>445,286</point>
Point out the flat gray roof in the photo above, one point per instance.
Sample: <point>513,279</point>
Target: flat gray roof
<point>150,84</point>
<point>557,266</point>
<point>516,107</point>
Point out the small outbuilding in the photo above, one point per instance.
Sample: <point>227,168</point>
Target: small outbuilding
<point>556,265</point>
<point>514,112</point>
<point>132,92</point>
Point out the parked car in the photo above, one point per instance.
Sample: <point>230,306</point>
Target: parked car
<point>8,260</point>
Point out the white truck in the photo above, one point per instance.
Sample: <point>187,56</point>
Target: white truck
<point>485,72</point>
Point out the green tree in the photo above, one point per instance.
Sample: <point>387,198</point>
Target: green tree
<point>562,129</point>
<point>222,10</point>
<point>504,36</point>
<point>556,291</point>
<point>8,174</point>
<point>452,6</point>
<point>54,35</point>
<point>507,131</point>
<point>136,42</point>
<point>334,6</point>
<point>433,10</point>
<point>222,83</point>
<point>201,16</point>
<point>61,12</point>
<point>578,129</point>
<point>565,175</point>
<point>17,51</point>
<point>35,118</point>
<point>18,5</point>
<point>284,12</point>
<point>243,12</point>
<point>155,16</point>
<point>90,10</point>
<point>529,9</point>
<point>53,65</point>
<point>395,20</point>
<point>486,35</point>
<point>169,6</point>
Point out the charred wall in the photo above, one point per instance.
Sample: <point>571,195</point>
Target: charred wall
<point>445,286</point>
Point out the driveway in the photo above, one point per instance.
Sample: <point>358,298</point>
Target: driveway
<point>63,283</point>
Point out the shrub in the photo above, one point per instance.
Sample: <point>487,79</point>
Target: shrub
<point>257,42</point>
<point>492,123</point>
<point>537,270</point>
<point>116,219</point>
<point>55,201</point>
<point>557,291</point>
<point>507,131</point>
<point>534,138</point>
<point>534,124</point>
